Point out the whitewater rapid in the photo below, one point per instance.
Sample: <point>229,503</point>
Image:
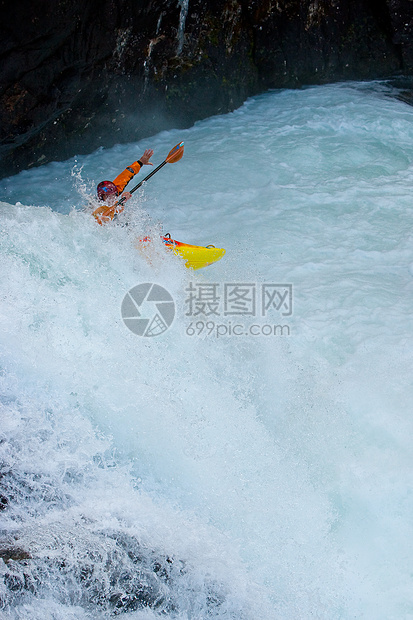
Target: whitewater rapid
<point>214,475</point>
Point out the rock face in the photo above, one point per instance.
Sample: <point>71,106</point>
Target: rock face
<point>79,74</point>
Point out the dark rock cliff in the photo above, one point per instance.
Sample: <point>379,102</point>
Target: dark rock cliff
<point>78,74</point>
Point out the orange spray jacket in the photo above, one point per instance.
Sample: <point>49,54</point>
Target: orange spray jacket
<point>104,213</point>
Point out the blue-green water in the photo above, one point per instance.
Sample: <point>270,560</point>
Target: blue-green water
<point>270,476</point>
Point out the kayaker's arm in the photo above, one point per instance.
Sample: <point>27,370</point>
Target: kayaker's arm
<point>107,190</point>
<point>124,177</point>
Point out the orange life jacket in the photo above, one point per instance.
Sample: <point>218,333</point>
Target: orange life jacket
<point>104,213</point>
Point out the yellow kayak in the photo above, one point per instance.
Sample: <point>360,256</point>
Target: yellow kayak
<point>195,256</point>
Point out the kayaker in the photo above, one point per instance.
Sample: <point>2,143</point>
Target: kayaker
<point>110,192</point>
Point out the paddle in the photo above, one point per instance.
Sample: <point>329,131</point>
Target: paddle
<point>173,156</point>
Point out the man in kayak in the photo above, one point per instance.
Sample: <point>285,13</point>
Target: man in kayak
<point>110,192</point>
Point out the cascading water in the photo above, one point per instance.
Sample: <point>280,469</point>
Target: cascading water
<point>213,472</point>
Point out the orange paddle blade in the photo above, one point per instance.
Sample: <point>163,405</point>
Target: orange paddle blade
<point>175,154</point>
<point>106,214</point>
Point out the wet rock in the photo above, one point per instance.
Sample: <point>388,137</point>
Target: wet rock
<point>77,76</point>
<point>9,552</point>
<point>103,571</point>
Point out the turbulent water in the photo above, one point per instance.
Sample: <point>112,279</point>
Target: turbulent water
<point>253,461</point>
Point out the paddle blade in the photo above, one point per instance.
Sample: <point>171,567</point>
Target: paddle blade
<point>175,154</point>
<point>105,214</point>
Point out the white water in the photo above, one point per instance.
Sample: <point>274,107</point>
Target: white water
<point>275,473</point>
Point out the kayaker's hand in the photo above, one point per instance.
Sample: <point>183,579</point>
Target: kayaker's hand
<point>126,196</point>
<point>146,157</point>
